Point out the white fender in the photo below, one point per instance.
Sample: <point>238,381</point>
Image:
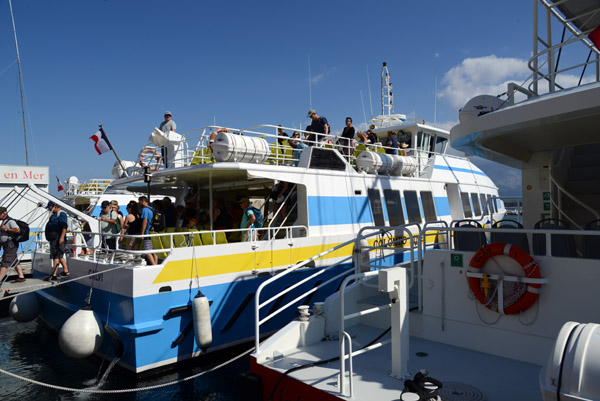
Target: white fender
<point>81,334</point>
<point>24,308</point>
<point>202,325</point>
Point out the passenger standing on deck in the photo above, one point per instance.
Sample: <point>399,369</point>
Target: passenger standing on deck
<point>347,137</point>
<point>392,142</point>
<point>8,230</point>
<point>115,206</point>
<point>133,226</point>
<point>247,219</point>
<point>281,135</point>
<point>167,126</point>
<point>319,125</point>
<point>146,217</point>
<point>108,225</point>
<point>169,211</point>
<point>56,231</point>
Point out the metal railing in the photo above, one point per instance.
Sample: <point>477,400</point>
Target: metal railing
<point>558,204</point>
<point>197,150</point>
<point>552,52</point>
<point>216,237</point>
<point>258,305</point>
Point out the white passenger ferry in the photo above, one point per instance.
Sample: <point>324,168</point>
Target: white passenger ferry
<point>507,312</point>
<point>330,197</point>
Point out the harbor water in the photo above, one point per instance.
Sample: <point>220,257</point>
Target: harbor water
<point>31,351</point>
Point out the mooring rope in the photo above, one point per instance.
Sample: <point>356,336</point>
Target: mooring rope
<point>126,390</point>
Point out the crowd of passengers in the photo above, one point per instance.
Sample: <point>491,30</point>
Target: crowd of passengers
<point>144,218</point>
<point>318,133</point>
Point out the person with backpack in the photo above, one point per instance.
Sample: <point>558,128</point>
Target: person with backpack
<point>9,229</point>
<point>251,218</point>
<point>108,225</point>
<point>56,232</point>
<point>146,216</point>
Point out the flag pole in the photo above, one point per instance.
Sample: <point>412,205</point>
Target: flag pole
<point>113,149</point>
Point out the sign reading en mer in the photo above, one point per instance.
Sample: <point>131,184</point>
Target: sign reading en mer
<point>23,175</point>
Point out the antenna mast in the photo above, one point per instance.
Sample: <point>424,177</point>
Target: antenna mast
<point>309,86</point>
<point>20,82</point>
<point>387,98</point>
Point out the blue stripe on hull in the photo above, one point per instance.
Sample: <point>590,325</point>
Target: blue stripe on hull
<point>148,334</point>
<point>459,169</point>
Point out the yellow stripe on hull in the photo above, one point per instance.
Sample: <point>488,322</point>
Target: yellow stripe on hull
<point>244,262</point>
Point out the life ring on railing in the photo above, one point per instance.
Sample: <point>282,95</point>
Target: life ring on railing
<point>529,266</point>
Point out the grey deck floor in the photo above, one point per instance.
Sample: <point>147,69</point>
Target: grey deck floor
<point>495,377</point>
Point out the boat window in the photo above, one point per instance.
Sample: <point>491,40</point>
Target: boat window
<point>441,144</point>
<point>376,206</point>
<point>484,204</point>
<point>494,204</point>
<point>412,206</point>
<point>423,140</point>
<point>466,205</point>
<point>393,204</point>
<point>476,208</point>
<point>428,206</point>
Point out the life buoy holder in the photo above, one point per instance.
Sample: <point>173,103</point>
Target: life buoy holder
<point>530,269</point>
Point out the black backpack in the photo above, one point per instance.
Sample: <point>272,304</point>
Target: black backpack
<point>158,222</point>
<point>23,235</point>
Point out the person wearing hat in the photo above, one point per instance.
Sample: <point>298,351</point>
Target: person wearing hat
<point>319,125</point>
<point>56,231</point>
<point>248,218</point>
<point>108,225</point>
<point>168,125</point>
<point>8,229</point>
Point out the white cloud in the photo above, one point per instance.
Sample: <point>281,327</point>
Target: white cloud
<point>317,78</point>
<point>490,75</point>
<point>483,75</point>
<point>436,55</point>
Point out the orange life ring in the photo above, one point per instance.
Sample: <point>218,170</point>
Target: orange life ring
<point>529,266</point>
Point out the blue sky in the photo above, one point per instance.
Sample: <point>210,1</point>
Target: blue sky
<point>123,63</point>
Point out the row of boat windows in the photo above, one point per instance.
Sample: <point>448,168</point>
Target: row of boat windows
<point>395,211</point>
<point>487,204</point>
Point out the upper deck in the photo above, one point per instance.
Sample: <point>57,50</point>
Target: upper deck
<point>562,104</point>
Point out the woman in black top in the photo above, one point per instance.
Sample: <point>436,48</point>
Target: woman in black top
<point>133,225</point>
<point>347,136</point>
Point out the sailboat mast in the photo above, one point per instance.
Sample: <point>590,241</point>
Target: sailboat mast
<point>20,82</point>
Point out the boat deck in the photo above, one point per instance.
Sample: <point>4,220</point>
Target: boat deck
<point>467,375</point>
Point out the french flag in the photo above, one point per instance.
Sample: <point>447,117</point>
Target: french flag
<point>101,142</point>
<point>60,186</point>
